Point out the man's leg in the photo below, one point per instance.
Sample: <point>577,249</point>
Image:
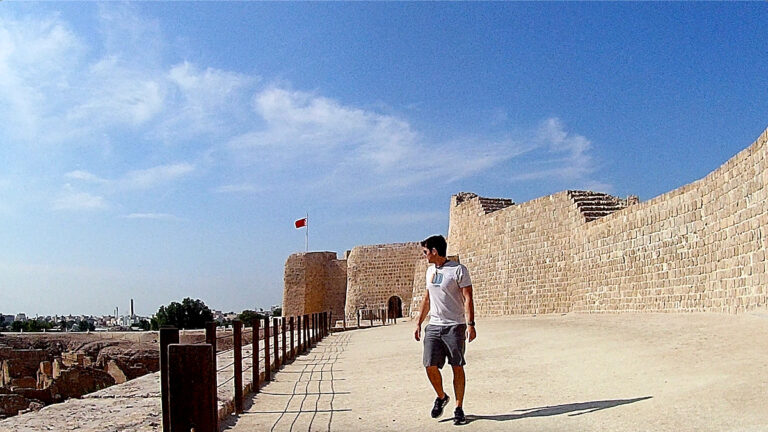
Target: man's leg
<point>458,384</point>
<point>433,373</point>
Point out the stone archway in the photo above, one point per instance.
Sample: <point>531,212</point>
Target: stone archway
<point>395,307</point>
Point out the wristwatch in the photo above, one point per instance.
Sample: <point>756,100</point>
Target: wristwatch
<point>471,323</point>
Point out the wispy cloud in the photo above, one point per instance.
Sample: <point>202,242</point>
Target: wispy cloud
<point>85,176</point>
<point>153,216</point>
<point>561,154</point>
<point>71,199</point>
<point>242,188</point>
<point>128,100</point>
<point>150,177</point>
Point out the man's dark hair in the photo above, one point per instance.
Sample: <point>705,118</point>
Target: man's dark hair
<point>437,242</point>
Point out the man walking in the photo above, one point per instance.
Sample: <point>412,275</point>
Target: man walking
<point>448,301</point>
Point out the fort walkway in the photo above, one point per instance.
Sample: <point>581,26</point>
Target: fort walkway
<point>627,372</point>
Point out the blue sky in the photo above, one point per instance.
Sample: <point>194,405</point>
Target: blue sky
<point>161,150</point>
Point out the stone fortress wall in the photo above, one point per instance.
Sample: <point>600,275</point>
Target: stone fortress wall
<point>701,247</point>
<point>376,273</point>
<point>314,282</point>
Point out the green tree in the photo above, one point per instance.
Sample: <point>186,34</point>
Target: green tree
<point>277,312</point>
<point>247,317</point>
<point>144,325</point>
<point>189,314</point>
<point>84,325</point>
<point>17,326</point>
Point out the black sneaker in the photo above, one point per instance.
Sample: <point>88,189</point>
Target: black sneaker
<point>458,416</point>
<point>437,410</point>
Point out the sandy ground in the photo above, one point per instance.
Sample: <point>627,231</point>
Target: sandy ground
<point>643,372</point>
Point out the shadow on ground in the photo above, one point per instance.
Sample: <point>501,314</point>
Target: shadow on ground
<point>574,409</point>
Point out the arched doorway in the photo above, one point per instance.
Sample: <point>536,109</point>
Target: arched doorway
<point>395,307</point>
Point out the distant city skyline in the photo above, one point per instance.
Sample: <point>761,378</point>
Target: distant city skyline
<point>163,150</point>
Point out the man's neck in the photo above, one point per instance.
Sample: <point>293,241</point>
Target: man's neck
<point>440,261</point>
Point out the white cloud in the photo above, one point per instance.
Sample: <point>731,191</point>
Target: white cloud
<point>566,156</point>
<point>153,216</point>
<point>85,176</point>
<point>73,200</point>
<point>242,188</point>
<point>150,177</point>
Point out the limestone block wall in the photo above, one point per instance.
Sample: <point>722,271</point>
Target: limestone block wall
<point>518,256</point>
<point>377,272</point>
<point>314,282</point>
<point>697,248</point>
<point>701,247</point>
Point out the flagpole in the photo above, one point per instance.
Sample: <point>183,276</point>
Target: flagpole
<point>306,235</point>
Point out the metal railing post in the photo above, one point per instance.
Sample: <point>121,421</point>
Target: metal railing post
<point>282,327</point>
<point>276,345</point>
<point>255,345</point>
<point>237,335</point>
<point>168,335</point>
<point>267,359</point>
<point>298,334</point>
<point>290,324</point>
<point>358,318</point>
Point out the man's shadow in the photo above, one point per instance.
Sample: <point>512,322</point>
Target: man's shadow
<point>574,408</point>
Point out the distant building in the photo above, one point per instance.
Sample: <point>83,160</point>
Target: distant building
<point>21,317</point>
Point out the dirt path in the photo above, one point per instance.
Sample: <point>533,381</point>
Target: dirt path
<point>629,372</point>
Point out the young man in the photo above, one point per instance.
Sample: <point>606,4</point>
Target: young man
<point>448,300</point>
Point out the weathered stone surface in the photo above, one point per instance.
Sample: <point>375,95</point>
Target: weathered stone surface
<point>314,282</point>
<point>377,273</point>
<point>77,381</point>
<point>11,404</point>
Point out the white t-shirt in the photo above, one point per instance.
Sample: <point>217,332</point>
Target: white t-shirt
<point>446,300</point>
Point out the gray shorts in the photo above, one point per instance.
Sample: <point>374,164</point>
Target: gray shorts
<point>444,341</point>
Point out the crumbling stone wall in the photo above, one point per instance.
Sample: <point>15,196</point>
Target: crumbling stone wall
<point>701,247</point>
<point>314,282</point>
<point>377,272</point>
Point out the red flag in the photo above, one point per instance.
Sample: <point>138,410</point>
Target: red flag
<point>301,223</point>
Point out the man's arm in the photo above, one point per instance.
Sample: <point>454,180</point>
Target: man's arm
<point>469,311</point>
<point>423,311</point>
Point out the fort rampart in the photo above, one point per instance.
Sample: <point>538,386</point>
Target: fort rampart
<point>701,247</point>
<point>314,282</point>
<point>377,273</point>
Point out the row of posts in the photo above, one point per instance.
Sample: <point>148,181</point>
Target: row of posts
<point>188,372</point>
<point>374,316</point>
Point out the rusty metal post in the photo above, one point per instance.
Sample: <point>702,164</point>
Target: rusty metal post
<point>255,363</point>
<point>358,318</point>
<point>290,325</point>
<point>298,334</point>
<point>192,404</point>
<point>168,335</point>
<point>276,346</point>
<point>267,359</point>
<point>237,334</point>
<point>285,347</point>
<point>314,329</point>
